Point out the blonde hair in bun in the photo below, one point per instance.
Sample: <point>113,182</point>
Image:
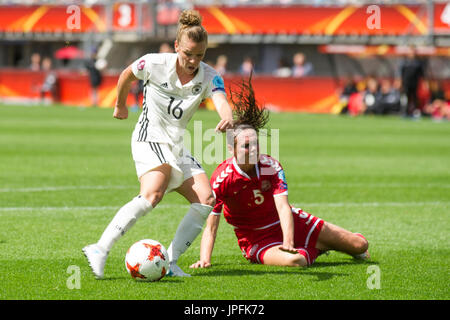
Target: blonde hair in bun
<point>190,23</point>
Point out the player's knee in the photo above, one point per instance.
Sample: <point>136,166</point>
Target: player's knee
<point>154,197</point>
<point>209,200</point>
<point>297,260</point>
<point>360,244</point>
<point>294,260</point>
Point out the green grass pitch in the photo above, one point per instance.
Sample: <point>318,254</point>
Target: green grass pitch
<point>65,171</point>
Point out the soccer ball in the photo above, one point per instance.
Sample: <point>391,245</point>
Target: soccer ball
<point>147,260</point>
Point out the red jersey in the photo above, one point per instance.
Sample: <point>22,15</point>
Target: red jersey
<point>248,203</point>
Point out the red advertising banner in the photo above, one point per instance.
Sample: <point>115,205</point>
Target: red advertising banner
<point>124,16</point>
<point>71,18</point>
<point>442,18</point>
<point>296,20</point>
<point>348,20</point>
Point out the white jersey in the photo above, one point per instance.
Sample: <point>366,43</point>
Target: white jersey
<point>167,105</point>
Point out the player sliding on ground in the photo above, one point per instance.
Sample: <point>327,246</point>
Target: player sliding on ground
<point>252,191</point>
<point>175,85</point>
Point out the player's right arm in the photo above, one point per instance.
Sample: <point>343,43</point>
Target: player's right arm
<point>207,243</point>
<point>123,88</point>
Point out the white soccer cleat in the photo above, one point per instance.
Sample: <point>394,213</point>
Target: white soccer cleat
<point>96,258</point>
<point>175,271</point>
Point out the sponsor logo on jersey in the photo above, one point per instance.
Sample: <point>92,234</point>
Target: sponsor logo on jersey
<point>164,85</point>
<point>197,88</point>
<point>141,64</point>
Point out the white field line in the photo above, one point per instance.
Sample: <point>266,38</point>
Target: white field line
<point>81,208</point>
<point>65,188</point>
<point>372,204</point>
<point>298,205</point>
<point>297,185</point>
<point>370,185</point>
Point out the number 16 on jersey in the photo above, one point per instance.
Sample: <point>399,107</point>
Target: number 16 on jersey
<point>176,111</point>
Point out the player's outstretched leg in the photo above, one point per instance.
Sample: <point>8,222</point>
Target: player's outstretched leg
<point>198,192</point>
<point>187,231</point>
<point>332,237</point>
<point>124,219</point>
<point>96,258</point>
<point>153,185</point>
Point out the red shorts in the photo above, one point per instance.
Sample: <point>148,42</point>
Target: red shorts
<point>254,243</point>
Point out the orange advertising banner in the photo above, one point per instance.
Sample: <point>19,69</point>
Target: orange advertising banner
<point>291,20</point>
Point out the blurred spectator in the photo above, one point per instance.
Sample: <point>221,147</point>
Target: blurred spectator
<point>411,71</point>
<point>221,64</point>
<point>50,81</point>
<point>95,78</point>
<point>165,48</point>
<point>246,66</point>
<point>438,108</point>
<point>436,91</point>
<point>389,98</point>
<point>371,97</point>
<point>301,68</point>
<point>397,84</point>
<point>35,62</point>
<point>344,95</point>
<point>379,97</point>
<point>284,70</point>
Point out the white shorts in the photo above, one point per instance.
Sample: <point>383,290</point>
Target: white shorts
<point>149,155</point>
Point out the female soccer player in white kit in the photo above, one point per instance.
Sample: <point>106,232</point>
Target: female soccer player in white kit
<point>175,85</point>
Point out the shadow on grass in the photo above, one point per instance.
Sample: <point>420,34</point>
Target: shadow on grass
<point>298,272</point>
<point>127,277</point>
<point>244,269</point>
<point>219,270</point>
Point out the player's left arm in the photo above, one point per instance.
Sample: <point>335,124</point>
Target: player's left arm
<point>224,110</point>
<point>207,243</point>
<point>286,222</point>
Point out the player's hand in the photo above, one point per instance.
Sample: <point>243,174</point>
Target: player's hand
<point>289,249</point>
<point>120,113</point>
<point>200,264</point>
<point>223,125</point>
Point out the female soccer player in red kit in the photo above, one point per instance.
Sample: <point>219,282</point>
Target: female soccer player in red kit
<point>251,190</point>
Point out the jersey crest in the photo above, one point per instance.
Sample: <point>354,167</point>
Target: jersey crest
<point>197,88</point>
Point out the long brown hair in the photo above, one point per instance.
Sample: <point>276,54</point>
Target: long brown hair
<point>248,113</point>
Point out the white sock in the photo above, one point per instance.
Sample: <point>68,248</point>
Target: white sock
<point>124,219</point>
<point>188,230</point>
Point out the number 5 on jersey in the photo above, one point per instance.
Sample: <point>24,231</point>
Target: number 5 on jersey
<point>259,198</point>
<point>176,111</point>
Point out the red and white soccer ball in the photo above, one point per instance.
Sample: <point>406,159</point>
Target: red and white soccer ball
<point>147,260</point>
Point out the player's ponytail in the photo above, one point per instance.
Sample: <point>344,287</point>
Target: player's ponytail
<point>247,110</point>
<point>190,23</point>
<point>248,113</point>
